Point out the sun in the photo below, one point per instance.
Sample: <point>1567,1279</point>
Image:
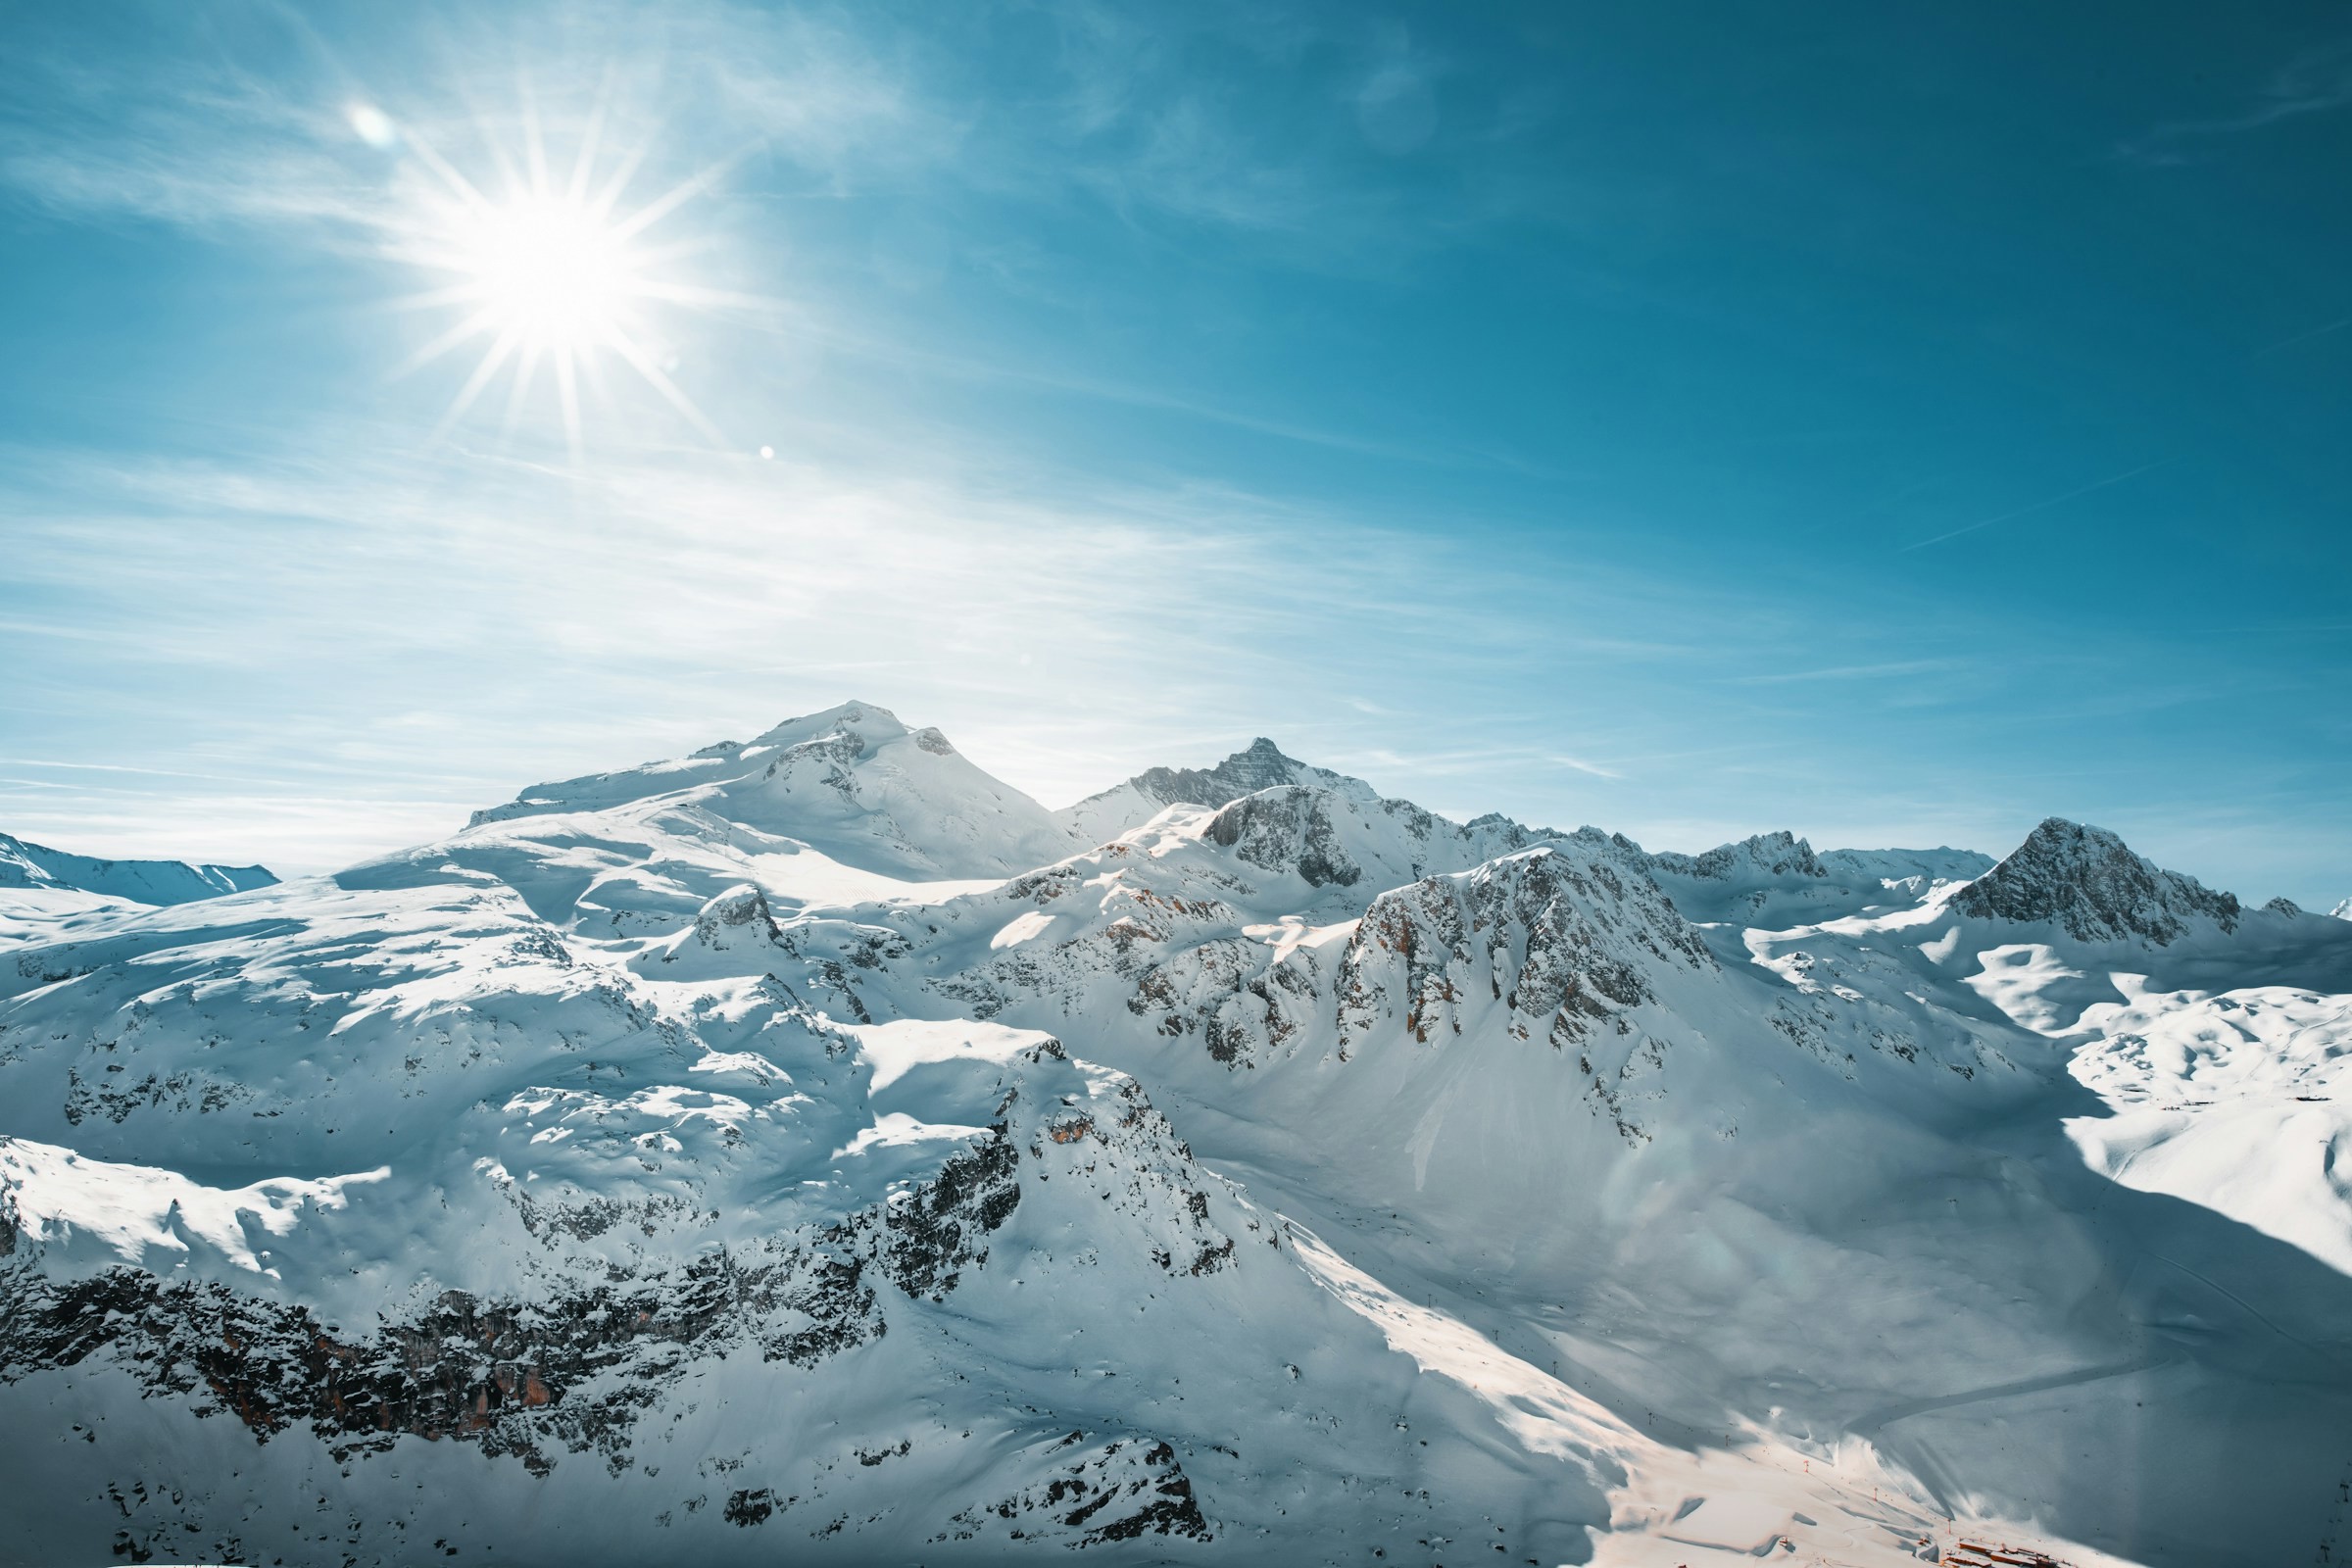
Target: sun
<point>548,270</point>
<point>554,278</point>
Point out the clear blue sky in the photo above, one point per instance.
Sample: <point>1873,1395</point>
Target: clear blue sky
<point>1895,424</point>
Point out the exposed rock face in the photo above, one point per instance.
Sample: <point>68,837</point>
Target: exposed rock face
<point>1287,830</point>
<point>571,1371</point>
<point>1116,1490</point>
<point>1561,936</point>
<point>1262,766</point>
<point>734,931</point>
<point>575,1367</point>
<point>2087,882</point>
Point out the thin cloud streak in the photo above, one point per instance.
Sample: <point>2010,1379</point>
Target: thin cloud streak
<point>1906,666</point>
<point>2043,506</point>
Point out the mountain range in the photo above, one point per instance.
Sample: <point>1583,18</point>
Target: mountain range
<point>815,1148</point>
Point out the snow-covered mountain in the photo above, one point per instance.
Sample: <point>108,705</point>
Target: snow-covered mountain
<point>814,1148</point>
<point>37,867</point>
<point>2087,881</point>
<point>47,893</point>
<point>851,782</point>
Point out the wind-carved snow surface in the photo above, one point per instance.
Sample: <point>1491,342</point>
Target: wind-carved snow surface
<point>52,1194</point>
<point>2242,1102</point>
<point>813,1149</point>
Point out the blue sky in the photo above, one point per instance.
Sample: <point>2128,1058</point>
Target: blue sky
<point>1893,424</point>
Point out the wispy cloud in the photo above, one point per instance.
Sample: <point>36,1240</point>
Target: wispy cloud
<point>2317,81</point>
<point>192,136</point>
<point>1066,631</point>
<point>1884,671</point>
<point>114,768</point>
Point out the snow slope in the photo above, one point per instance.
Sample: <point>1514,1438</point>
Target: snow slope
<point>851,782</point>
<point>814,1148</point>
<point>46,894</point>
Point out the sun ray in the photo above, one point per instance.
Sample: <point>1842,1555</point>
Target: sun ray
<point>433,298</point>
<point>535,145</point>
<point>704,298</point>
<point>663,206</point>
<point>524,368</point>
<point>600,205</point>
<point>466,192</point>
<point>624,346</point>
<point>583,164</point>
<point>650,257</point>
<point>473,327</point>
<point>492,357</point>
<point>568,392</point>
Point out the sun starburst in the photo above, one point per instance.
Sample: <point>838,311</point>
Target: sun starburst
<point>545,273</point>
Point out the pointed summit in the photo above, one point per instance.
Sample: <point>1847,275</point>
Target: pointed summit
<point>2087,881</point>
<point>1261,765</point>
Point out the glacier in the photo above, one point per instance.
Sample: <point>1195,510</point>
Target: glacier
<point>815,1148</point>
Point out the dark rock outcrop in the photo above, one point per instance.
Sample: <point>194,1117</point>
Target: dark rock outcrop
<point>2087,882</point>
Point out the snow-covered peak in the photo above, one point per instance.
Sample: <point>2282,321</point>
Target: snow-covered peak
<point>1262,766</point>
<point>1776,879</point>
<point>871,723</point>
<point>1338,840</point>
<point>1099,819</point>
<point>1764,856</point>
<point>853,782</point>
<point>2087,881</point>
<point>2343,911</point>
<point>24,864</point>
